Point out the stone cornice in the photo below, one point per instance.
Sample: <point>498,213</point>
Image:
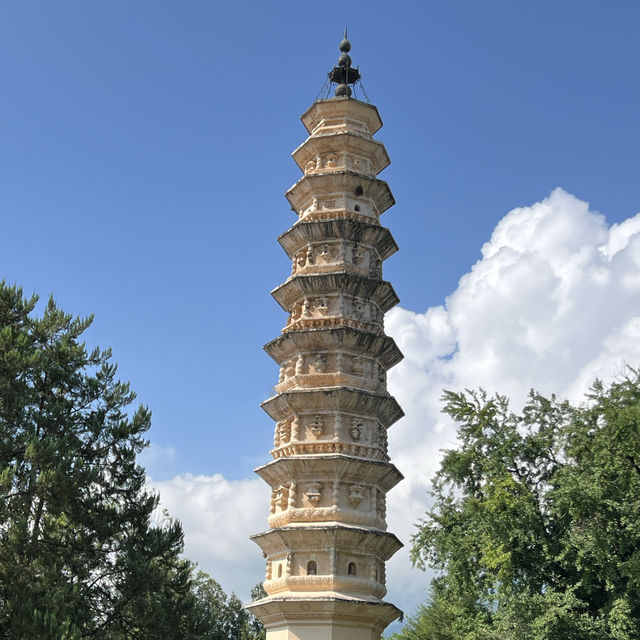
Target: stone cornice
<point>294,342</point>
<point>323,110</point>
<point>277,610</point>
<point>383,407</point>
<point>317,284</point>
<point>348,229</point>
<point>301,194</point>
<point>382,544</point>
<point>327,467</point>
<point>339,142</point>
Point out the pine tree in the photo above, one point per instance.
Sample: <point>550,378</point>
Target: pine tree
<point>80,555</point>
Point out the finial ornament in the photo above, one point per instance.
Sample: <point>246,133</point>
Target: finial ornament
<point>343,75</point>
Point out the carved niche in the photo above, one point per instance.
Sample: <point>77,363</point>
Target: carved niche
<point>356,429</point>
<point>319,364</point>
<point>317,426</point>
<point>313,492</point>
<point>356,495</point>
<point>322,307</point>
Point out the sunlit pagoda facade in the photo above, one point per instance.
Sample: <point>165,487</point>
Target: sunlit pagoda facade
<point>327,542</point>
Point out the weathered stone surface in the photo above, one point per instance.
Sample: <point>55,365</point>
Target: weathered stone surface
<point>330,468</point>
<point>384,408</point>
<point>342,150</point>
<point>327,544</point>
<point>302,233</point>
<point>293,343</point>
<point>338,114</point>
<point>317,285</point>
<point>345,189</point>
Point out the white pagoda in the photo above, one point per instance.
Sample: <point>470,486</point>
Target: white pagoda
<point>327,542</point>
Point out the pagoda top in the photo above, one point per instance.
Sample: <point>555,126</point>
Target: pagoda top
<point>344,74</point>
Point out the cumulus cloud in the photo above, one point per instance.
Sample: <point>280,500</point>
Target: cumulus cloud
<point>218,516</point>
<point>552,303</point>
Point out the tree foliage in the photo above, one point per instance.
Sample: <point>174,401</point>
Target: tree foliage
<point>82,554</point>
<point>535,529</point>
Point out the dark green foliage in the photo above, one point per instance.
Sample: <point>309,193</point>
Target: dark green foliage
<point>535,530</point>
<point>80,553</point>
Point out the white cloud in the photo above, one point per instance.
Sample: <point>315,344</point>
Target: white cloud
<point>553,302</point>
<point>218,516</point>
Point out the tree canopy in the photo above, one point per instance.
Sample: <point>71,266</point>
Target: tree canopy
<point>535,528</point>
<point>83,553</point>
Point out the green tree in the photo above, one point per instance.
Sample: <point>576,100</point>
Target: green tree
<point>535,528</point>
<point>80,556</point>
<point>217,616</point>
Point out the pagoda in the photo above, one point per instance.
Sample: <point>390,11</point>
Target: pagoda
<point>327,541</point>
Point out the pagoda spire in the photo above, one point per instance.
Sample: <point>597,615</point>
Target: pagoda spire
<point>327,541</point>
<point>344,74</point>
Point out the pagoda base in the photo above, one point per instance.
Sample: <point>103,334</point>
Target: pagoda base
<point>323,618</point>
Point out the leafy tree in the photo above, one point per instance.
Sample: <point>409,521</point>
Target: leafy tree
<point>81,553</point>
<point>217,616</point>
<point>535,529</point>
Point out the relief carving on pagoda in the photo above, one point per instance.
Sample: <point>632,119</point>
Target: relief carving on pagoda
<point>313,492</point>
<point>317,426</point>
<point>349,503</point>
<point>332,207</point>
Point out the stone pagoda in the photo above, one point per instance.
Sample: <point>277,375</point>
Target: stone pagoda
<point>327,542</point>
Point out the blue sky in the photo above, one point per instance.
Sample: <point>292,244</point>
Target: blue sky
<point>145,149</point>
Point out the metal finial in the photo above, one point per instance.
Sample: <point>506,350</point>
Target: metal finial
<point>344,75</point>
<point>345,45</point>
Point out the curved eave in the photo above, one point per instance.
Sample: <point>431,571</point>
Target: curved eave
<point>340,182</point>
<point>338,108</point>
<point>385,408</point>
<point>373,235</point>
<point>381,543</point>
<point>275,611</point>
<point>293,342</point>
<point>330,466</point>
<point>349,141</point>
<point>380,291</point>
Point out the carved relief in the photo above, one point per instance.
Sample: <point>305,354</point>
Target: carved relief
<point>306,309</point>
<point>325,253</point>
<point>317,426</point>
<point>319,364</point>
<point>309,254</point>
<point>375,264</point>
<point>382,438</point>
<point>357,427</point>
<point>290,369</point>
<point>285,430</point>
<point>381,508</point>
<point>357,366</point>
<point>291,500</point>
<point>322,307</point>
<point>314,492</point>
<point>295,428</point>
<point>282,497</point>
<point>356,495</point>
<point>309,167</point>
